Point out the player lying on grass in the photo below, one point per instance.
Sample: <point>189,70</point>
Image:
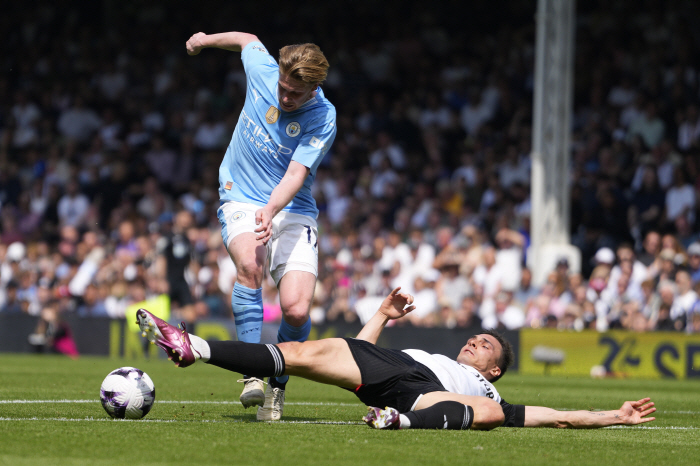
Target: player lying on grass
<point>420,390</point>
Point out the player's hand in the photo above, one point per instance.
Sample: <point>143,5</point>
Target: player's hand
<point>194,44</point>
<point>635,412</point>
<point>394,305</point>
<point>263,219</point>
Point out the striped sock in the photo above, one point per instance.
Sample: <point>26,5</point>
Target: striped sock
<point>247,312</point>
<point>443,415</point>
<point>251,359</point>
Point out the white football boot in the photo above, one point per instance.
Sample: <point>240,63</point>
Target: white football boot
<point>274,405</point>
<point>253,393</point>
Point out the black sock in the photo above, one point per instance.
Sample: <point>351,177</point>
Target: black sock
<point>444,415</point>
<point>252,359</point>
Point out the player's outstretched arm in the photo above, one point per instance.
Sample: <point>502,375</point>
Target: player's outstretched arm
<point>394,306</point>
<point>233,41</point>
<point>631,413</point>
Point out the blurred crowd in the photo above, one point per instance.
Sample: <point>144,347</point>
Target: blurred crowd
<point>111,138</point>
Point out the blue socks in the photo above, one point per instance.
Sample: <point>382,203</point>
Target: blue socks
<point>248,315</point>
<point>288,332</point>
<point>247,312</point>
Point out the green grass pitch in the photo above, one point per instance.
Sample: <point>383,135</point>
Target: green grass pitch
<point>196,420</point>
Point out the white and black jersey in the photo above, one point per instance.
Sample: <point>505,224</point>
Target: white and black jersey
<point>465,380</point>
<point>456,377</point>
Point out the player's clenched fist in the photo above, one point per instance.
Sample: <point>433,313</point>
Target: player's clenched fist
<point>194,44</point>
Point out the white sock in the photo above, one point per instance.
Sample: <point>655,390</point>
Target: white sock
<point>200,347</point>
<point>404,423</point>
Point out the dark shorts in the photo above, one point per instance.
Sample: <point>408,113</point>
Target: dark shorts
<point>180,293</point>
<point>391,377</point>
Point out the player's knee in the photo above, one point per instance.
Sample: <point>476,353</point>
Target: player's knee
<point>488,415</point>
<point>296,314</point>
<point>293,352</point>
<point>249,273</point>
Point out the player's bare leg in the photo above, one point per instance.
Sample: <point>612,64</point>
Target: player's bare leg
<point>328,361</point>
<point>249,256</point>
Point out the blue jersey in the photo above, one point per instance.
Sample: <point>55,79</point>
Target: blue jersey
<point>266,139</point>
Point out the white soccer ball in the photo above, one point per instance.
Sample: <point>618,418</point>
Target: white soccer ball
<point>127,393</point>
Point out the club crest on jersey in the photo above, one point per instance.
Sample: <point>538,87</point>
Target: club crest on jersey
<point>293,129</point>
<point>272,114</point>
<point>237,215</point>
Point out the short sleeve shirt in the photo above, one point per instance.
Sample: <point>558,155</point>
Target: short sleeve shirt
<point>267,139</point>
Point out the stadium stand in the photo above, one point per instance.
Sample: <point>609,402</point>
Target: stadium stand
<point>108,131</point>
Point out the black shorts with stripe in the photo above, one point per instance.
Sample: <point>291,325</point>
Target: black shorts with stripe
<point>391,377</point>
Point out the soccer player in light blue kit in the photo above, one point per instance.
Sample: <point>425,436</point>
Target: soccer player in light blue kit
<point>267,213</point>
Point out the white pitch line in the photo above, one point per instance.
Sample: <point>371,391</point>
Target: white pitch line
<point>204,402</point>
<point>300,403</point>
<point>214,421</point>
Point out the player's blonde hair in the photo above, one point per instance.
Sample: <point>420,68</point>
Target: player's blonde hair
<point>304,62</point>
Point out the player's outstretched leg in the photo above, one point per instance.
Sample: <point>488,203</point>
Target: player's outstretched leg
<point>387,418</point>
<point>174,341</point>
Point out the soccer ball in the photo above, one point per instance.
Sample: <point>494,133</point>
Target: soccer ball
<point>127,393</point>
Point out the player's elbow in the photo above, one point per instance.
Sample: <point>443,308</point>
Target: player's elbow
<point>246,38</point>
<point>488,415</point>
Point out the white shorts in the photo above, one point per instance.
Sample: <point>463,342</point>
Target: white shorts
<point>294,242</point>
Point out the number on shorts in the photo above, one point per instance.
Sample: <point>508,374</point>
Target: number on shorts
<point>308,234</point>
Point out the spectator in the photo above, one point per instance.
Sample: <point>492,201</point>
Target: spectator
<point>506,316</point>
<point>651,248</point>
<point>680,199</point>
<point>664,322</point>
<point>685,297</point>
<point>667,266</point>
<point>12,303</point>
<point>694,262</point>
<point>73,206</point>
<point>177,252</point>
<point>466,316</point>
<point>426,299</point>
<point>693,325</point>
<point>526,291</point>
<point>79,122</point>
<point>648,125</point>
<point>92,305</point>
<point>646,210</point>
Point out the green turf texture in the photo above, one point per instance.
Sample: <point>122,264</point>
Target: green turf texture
<point>215,433</point>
